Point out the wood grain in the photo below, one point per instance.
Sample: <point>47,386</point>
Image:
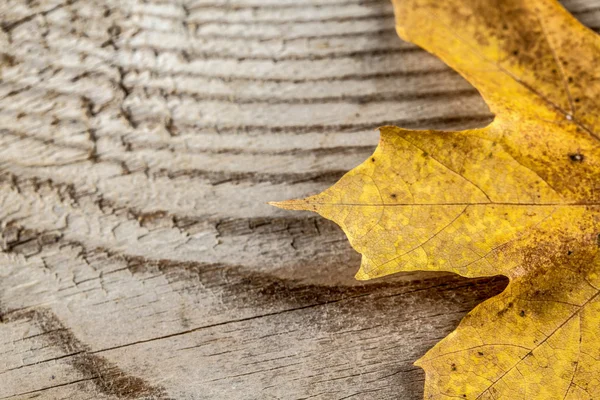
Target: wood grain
<point>139,144</point>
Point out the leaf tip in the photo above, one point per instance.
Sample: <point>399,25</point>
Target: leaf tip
<point>299,204</point>
<point>365,271</point>
<point>387,132</point>
<point>361,275</point>
<point>385,129</point>
<point>402,32</point>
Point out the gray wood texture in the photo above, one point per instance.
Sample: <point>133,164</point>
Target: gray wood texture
<point>139,144</point>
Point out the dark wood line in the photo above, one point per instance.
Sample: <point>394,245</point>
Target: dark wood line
<point>221,177</point>
<point>233,7</point>
<point>308,37</point>
<point>36,391</point>
<point>356,99</point>
<point>318,151</point>
<point>413,123</point>
<point>270,21</point>
<point>208,55</point>
<point>338,78</point>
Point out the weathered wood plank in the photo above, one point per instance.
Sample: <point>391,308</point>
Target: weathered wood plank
<point>139,144</point>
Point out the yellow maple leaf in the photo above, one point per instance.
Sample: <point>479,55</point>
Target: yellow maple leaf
<point>520,197</point>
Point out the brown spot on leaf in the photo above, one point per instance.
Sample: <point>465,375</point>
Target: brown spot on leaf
<point>576,157</point>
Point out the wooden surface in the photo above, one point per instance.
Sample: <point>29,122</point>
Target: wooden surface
<point>140,141</point>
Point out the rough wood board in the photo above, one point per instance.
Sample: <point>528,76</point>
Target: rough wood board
<point>139,143</point>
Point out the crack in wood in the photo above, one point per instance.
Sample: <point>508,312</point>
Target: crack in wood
<point>107,378</point>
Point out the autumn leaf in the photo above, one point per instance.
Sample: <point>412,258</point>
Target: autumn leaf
<point>520,197</point>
